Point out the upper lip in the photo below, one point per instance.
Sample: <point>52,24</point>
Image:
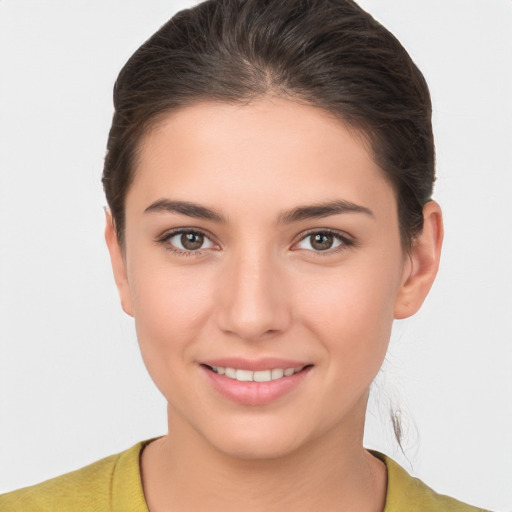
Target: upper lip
<point>264,363</point>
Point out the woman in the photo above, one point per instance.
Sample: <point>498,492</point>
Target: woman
<point>269,177</point>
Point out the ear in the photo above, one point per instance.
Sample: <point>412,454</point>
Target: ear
<point>423,263</point>
<point>118,264</point>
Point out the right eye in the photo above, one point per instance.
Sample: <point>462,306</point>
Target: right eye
<point>188,241</point>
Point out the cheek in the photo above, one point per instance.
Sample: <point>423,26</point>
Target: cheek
<point>170,305</point>
<point>351,312</point>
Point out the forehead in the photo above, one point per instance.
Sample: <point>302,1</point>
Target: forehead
<point>269,149</point>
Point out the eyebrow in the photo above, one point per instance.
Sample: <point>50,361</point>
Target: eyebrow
<point>185,208</point>
<point>315,211</point>
<point>319,211</point>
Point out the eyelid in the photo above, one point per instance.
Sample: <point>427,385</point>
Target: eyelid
<point>346,240</point>
<point>167,235</point>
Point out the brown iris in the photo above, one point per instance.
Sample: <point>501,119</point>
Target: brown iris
<point>192,241</point>
<point>322,241</point>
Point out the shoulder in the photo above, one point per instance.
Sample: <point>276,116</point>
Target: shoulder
<point>86,489</point>
<point>408,494</point>
<point>91,488</point>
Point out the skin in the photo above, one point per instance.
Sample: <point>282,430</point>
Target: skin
<point>259,287</point>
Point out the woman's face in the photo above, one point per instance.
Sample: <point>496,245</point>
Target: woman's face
<point>261,238</point>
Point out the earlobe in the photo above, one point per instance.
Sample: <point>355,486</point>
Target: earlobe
<point>118,264</point>
<point>423,263</point>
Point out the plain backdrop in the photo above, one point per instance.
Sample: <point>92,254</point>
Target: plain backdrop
<point>73,388</point>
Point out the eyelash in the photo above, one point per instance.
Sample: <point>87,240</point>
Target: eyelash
<point>165,240</point>
<point>345,241</point>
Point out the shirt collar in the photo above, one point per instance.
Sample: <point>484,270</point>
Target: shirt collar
<point>128,494</point>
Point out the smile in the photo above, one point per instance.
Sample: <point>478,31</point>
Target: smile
<point>255,376</point>
<point>258,386</point>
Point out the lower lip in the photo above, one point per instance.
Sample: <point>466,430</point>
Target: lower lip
<point>254,393</point>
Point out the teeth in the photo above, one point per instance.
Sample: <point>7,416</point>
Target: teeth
<point>244,375</point>
<point>257,376</point>
<point>230,372</point>
<point>277,373</point>
<point>262,376</point>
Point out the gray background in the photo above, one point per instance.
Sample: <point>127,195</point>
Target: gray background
<point>73,387</point>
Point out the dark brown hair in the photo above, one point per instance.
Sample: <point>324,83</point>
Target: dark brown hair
<point>328,53</point>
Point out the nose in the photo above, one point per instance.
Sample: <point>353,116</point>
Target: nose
<point>253,301</point>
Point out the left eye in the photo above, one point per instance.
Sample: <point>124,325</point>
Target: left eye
<point>190,241</point>
<point>322,241</point>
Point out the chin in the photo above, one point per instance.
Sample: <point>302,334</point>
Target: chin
<point>257,449</point>
<point>253,442</point>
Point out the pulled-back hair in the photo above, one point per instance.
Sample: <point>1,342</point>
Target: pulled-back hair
<point>328,53</point>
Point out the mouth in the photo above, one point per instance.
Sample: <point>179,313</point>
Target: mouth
<point>265,383</point>
<point>242,375</point>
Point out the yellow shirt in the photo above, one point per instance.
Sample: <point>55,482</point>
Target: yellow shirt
<point>113,484</point>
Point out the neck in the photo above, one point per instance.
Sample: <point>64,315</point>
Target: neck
<point>182,471</point>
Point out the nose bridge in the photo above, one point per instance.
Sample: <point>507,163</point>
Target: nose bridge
<point>252,296</point>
